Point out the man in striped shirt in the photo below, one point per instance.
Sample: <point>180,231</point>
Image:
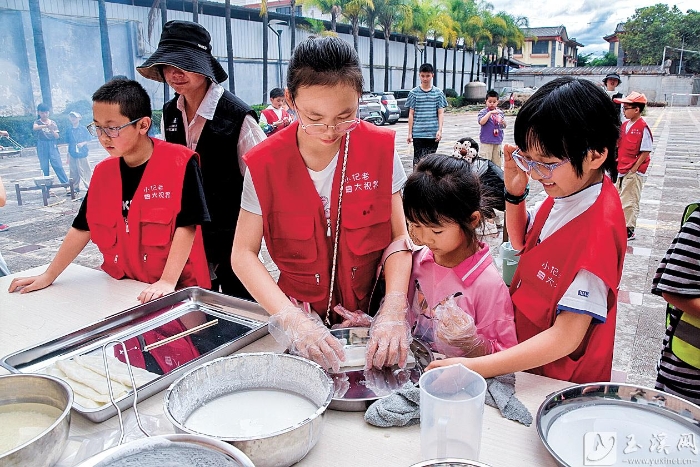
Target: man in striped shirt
<point>426,105</point>
<point>678,280</point>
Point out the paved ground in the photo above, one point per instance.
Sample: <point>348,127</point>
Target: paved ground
<point>36,231</point>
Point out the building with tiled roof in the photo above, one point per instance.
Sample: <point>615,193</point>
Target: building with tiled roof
<point>548,47</point>
<point>614,41</point>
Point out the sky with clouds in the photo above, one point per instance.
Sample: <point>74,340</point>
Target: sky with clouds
<point>587,21</point>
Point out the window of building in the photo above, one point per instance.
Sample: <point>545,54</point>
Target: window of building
<point>540,47</point>
<point>558,45</point>
<point>287,10</point>
<point>517,50</point>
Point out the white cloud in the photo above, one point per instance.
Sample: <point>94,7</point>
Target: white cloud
<point>587,21</point>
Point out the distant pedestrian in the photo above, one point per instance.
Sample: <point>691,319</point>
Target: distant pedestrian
<point>633,151</point>
<point>77,137</point>
<point>275,116</point>
<point>426,105</point>
<point>511,100</point>
<point>492,121</point>
<point>46,132</point>
<point>611,82</point>
<point>677,280</point>
<point>4,270</point>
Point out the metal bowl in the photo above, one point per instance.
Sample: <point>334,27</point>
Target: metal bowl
<point>354,393</point>
<point>256,371</point>
<point>450,462</point>
<point>200,451</point>
<point>617,424</point>
<point>46,448</point>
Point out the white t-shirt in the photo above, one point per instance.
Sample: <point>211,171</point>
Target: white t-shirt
<point>323,182</point>
<point>277,112</point>
<point>587,294</point>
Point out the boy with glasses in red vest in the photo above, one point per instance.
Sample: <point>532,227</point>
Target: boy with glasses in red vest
<point>633,151</point>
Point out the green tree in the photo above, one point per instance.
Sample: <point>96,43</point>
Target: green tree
<point>583,59</point>
<point>648,31</point>
<point>353,10</point>
<point>389,14</point>
<point>689,31</point>
<point>609,59</point>
<point>370,20</point>
<point>42,63</point>
<point>104,40</point>
<point>331,7</point>
<point>229,48</point>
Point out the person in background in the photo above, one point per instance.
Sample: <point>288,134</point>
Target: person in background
<point>611,82</point>
<point>677,280</point>
<point>326,197</point>
<point>564,290</point>
<point>77,138</point>
<point>426,109</point>
<point>460,305</point>
<point>633,153</point>
<point>210,120</point>
<point>511,101</point>
<point>144,206</point>
<point>46,132</point>
<point>4,270</point>
<point>275,115</point>
<point>492,121</point>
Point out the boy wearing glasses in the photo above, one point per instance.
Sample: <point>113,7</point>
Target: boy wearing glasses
<point>633,150</point>
<point>145,204</point>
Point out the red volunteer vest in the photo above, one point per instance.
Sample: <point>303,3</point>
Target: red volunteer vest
<point>271,116</point>
<point>595,241</point>
<point>294,223</point>
<point>138,248</point>
<point>628,146</point>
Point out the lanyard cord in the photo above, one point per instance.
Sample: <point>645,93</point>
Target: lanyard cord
<point>337,228</point>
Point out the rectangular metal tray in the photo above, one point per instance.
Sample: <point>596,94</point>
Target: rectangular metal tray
<point>243,322</point>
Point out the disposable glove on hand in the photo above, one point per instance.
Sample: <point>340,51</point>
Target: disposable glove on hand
<point>390,334</point>
<point>456,334</point>
<point>304,334</point>
<point>352,319</point>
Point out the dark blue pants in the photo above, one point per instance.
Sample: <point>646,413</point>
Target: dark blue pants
<point>47,151</point>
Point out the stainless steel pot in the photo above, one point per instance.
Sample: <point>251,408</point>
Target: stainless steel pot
<point>46,448</point>
<point>256,371</point>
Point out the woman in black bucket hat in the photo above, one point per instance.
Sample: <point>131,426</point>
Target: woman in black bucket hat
<point>612,81</point>
<point>219,126</point>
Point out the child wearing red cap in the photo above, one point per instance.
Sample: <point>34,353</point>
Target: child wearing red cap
<point>633,151</point>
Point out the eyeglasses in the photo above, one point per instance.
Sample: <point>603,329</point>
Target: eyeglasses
<point>111,131</point>
<point>628,107</point>
<point>320,128</point>
<point>543,170</point>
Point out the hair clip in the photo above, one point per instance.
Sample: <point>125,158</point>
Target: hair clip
<point>464,151</point>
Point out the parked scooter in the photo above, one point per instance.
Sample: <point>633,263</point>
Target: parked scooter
<point>370,110</point>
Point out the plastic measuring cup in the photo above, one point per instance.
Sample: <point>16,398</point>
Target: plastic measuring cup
<point>451,412</point>
<point>510,261</point>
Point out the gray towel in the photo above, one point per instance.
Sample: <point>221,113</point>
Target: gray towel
<point>397,409</point>
<point>402,407</point>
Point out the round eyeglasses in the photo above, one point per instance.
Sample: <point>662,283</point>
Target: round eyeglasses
<point>321,128</point>
<point>111,131</point>
<point>543,170</point>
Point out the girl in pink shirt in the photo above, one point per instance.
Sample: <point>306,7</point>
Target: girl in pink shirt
<point>460,305</point>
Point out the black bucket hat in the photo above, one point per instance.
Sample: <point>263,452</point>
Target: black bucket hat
<point>185,45</point>
<point>612,75</point>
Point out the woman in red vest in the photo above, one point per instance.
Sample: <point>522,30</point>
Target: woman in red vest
<point>325,196</point>
<point>573,243</point>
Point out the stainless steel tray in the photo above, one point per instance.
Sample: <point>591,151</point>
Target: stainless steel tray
<point>619,424</point>
<point>240,322</point>
<point>353,391</point>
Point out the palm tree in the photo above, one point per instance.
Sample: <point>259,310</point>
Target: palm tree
<point>475,33</point>
<point>316,27</point>
<point>265,44</point>
<point>352,10</point>
<point>370,17</point>
<point>328,6</point>
<point>405,27</point>
<point>229,48</point>
<point>104,40</point>
<point>389,13</point>
<point>162,6</point>
<point>42,63</point>
<point>293,26</point>
<point>195,11</point>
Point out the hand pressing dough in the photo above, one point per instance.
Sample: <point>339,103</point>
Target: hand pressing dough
<point>355,356</point>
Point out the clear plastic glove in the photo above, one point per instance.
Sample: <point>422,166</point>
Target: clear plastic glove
<point>384,381</point>
<point>456,334</point>
<point>352,319</point>
<point>390,333</point>
<point>304,334</point>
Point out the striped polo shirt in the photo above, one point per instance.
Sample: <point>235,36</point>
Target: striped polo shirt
<point>679,273</point>
<point>425,105</point>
